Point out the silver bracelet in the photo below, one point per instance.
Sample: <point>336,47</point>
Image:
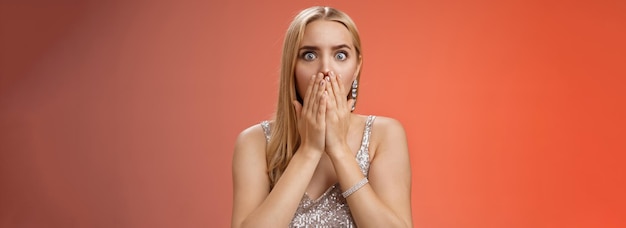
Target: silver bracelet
<point>355,187</point>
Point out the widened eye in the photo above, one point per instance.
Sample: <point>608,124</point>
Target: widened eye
<point>309,56</point>
<point>341,56</point>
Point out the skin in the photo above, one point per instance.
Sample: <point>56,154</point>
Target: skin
<point>326,46</point>
<point>331,136</point>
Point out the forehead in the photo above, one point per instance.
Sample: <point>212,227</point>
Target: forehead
<point>324,33</point>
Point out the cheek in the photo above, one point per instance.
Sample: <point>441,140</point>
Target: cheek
<point>302,77</point>
<point>347,71</point>
<point>348,76</point>
<point>347,84</point>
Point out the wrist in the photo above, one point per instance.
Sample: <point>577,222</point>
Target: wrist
<point>339,151</point>
<point>310,152</point>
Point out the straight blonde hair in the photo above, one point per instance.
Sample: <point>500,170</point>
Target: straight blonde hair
<point>285,138</point>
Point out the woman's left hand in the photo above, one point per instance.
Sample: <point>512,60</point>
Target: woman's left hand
<point>338,111</point>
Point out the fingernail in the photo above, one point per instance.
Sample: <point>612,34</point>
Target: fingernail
<point>322,83</point>
<point>327,78</point>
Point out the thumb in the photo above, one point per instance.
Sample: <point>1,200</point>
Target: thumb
<point>297,106</point>
<point>351,103</point>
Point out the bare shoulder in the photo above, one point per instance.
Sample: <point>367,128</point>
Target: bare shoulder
<point>250,182</point>
<point>250,145</point>
<point>390,167</point>
<point>388,133</point>
<point>386,128</point>
<point>388,125</point>
<point>253,135</point>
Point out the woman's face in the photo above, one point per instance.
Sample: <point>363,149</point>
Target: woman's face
<point>326,46</point>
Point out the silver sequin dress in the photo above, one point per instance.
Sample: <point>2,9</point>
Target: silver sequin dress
<point>330,209</point>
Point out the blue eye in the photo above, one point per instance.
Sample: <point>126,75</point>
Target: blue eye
<point>341,56</point>
<point>309,56</point>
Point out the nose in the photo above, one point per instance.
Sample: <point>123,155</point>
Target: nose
<point>325,66</point>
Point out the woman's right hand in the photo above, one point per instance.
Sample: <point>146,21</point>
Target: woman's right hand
<point>311,115</point>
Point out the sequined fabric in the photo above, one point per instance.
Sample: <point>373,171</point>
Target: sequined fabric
<point>330,209</point>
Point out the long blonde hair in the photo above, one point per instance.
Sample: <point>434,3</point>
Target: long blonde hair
<point>285,139</point>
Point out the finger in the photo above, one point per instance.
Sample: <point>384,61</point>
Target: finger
<point>336,87</point>
<point>307,95</point>
<point>320,91</point>
<point>330,99</point>
<point>321,113</point>
<point>329,88</point>
<point>313,95</point>
<point>298,107</point>
<point>351,103</point>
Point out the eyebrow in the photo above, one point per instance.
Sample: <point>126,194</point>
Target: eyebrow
<point>317,48</point>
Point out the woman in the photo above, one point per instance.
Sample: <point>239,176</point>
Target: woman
<point>318,164</point>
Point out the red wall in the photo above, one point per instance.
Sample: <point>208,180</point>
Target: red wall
<point>124,114</point>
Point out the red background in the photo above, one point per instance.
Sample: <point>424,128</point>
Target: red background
<point>124,113</point>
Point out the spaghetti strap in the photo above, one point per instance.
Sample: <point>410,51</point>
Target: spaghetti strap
<point>266,129</point>
<point>365,142</point>
<point>363,155</point>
